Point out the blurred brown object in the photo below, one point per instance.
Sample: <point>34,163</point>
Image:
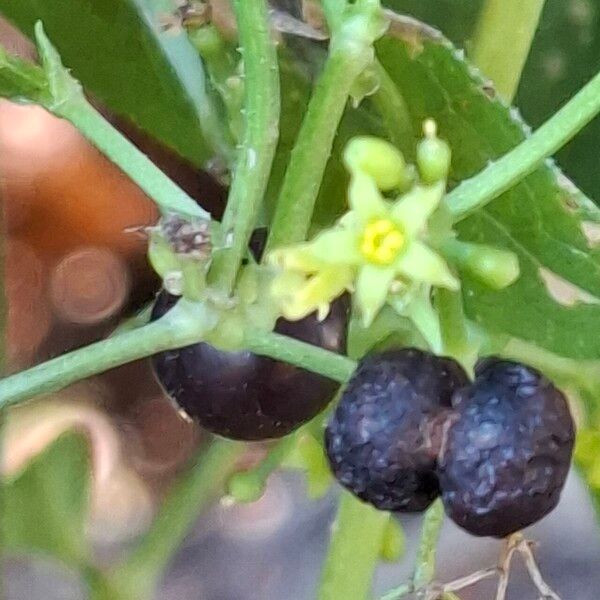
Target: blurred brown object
<point>28,318</point>
<point>89,285</point>
<point>73,195</point>
<point>159,439</point>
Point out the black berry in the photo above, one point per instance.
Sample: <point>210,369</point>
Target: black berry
<point>243,396</point>
<point>507,454</point>
<point>384,437</point>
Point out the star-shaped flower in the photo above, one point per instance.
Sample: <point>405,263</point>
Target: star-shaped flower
<point>377,247</point>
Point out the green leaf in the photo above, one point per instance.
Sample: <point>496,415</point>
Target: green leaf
<point>535,219</point>
<point>45,506</point>
<point>565,54</point>
<point>454,18</point>
<point>117,50</point>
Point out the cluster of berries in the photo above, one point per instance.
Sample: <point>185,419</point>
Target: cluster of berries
<point>411,427</point>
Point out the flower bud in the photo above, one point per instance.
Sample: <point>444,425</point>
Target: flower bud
<point>433,155</point>
<point>493,267</point>
<point>379,160</point>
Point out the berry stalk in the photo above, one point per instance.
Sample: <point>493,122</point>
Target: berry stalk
<point>259,141</point>
<point>426,554</point>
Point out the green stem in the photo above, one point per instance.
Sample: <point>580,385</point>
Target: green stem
<point>301,354</point>
<point>426,554</point>
<point>249,485</point>
<point>334,11</point>
<point>393,109</point>
<point>506,172</point>
<point>142,570</point>
<point>354,549</point>
<point>135,164</point>
<point>400,592</point>
<point>175,329</point>
<point>261,132</point>
<point>179,327</point>
<point>309,157</point>
<point>502,41</point>
<point>453,325</point>
<point>350,53</point>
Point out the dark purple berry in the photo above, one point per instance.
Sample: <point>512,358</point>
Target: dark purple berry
<point>243,396</point>
<point>507,454</point>
<point>384,437</point>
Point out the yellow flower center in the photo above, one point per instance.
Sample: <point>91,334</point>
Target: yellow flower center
<point>382,241</point>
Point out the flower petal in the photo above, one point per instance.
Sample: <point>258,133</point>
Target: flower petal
<point>365,199</point>
<point>336,246</point>
<point>315,293</point>
<point>297,258</point>
<point>421,264</point>
<point>372,287</point>
<point>413,209</point>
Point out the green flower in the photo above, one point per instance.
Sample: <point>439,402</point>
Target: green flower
<point>377,247</point>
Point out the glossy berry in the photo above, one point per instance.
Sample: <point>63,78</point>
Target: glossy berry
<point>384,437</point>
<point>507,454</point>
<point>243,396</point>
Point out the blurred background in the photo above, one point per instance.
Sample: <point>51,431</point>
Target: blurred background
<point>75,267</point>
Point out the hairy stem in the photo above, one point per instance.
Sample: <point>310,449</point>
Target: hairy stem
<point>179,327</point>
<point>356,540</point>
<point>310,154</point>
<point>142,570</point>
<point>313,358</point>
<point>175,329</point>
<point>259,141</point>
<point>140,169</point>
<point>350,53</point>
<point>426,554</point>
<point>507,171</point>
<point>502,41</point>
<point>455,337</point>
<point>430,534</point>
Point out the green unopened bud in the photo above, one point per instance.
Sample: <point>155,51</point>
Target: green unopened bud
<point>493,267</point>
<point>393,544</point>
<point>246,487</point>
<point>379,160</point>
<point>433,155</point>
